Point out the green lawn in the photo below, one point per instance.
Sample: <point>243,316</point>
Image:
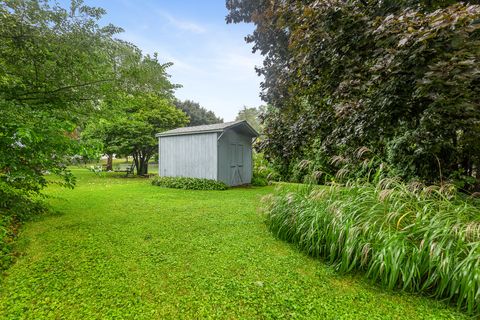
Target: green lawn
<point>121,248</point>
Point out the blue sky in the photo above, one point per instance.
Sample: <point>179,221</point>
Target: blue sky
<point>211,59</point>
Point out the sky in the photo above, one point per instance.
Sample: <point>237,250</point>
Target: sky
<point>211,59</point>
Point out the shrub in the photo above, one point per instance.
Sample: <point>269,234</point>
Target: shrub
<point>97,170</point>
<point>16,206</point>
<point>263,171</point>
<point>189,183</point>
<point>259,181</point>
<point>409,237</point>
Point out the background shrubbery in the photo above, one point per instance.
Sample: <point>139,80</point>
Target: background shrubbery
<point>263,171</point>
<point>189,183</point>
<point>409,237</point>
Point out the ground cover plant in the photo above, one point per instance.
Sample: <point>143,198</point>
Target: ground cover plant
<point>122,248</point>
<point>189,183</point>
<point>408,237</point>
<point>15,208</point>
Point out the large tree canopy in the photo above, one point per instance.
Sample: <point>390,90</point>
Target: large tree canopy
<point>131,129</point>
<point>136,106</point>
<point>59,71</point>
<point>395,79</point>
<point>53,66</point>
<point>198,115</point>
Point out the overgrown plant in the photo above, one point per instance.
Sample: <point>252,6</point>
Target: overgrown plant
<point>403,236</point>
<point>362,166</point>
<point>189,183</point>
<point>263,171</point>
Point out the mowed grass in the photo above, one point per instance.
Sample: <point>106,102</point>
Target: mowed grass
<point>119,248</point>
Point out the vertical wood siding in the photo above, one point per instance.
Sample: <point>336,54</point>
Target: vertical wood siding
<point>193,155</point>
<point>235,148</point>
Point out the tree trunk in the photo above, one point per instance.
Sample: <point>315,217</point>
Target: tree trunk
<point>143,170</point>
<point>141,162</point>
<point>109,162</point>
<point>137,165</point>
<point>144,166</point>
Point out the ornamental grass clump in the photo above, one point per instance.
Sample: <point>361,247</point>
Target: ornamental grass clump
<point>409,237</point>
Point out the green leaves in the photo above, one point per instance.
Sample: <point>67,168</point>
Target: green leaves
<point>189,183</point>
<point>130,125</point>
<point>196,113</point>
<point>343,75</point>
<point>60,70</point>
<point>54,59</point>
<point>252,115</point>
<point>54,65</point>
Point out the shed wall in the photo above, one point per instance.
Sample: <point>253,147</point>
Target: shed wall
<point>192,155</point>
<point>228,158</point>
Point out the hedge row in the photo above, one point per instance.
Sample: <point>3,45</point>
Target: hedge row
<point>189,183</point>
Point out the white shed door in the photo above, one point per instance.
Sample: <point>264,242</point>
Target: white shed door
<point>236,164</point>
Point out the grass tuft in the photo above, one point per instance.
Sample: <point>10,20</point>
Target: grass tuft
<point>408,237</point>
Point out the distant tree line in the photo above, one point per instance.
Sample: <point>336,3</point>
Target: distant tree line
<point>197,114</point>
<point>356,86</point>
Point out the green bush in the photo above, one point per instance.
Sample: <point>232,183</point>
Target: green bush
<point>189,183</point>
<point>263,171</point>
<point>259,181</point>
<point>16,206</point>
<point>408,237</point>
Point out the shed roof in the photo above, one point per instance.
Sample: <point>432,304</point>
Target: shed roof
<point>209,128</point>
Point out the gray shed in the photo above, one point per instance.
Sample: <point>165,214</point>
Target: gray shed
<point>221,151</point>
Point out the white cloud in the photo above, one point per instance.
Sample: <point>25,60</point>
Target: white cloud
<point>149,46</point>
<point>211,60</point>
<point>182,24</point>
<point>223,81</point>
<point>241,63</point>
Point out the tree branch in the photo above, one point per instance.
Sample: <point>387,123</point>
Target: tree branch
<point>60,89</point>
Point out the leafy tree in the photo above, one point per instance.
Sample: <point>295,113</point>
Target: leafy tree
<point>197,114</point>
<point>53,65</point>
<point>60,70</point>
<point>135,107</point>
<point>54,69</point>
<point>253,116</point>
<point>397,77</point>
<point>132,132</point>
